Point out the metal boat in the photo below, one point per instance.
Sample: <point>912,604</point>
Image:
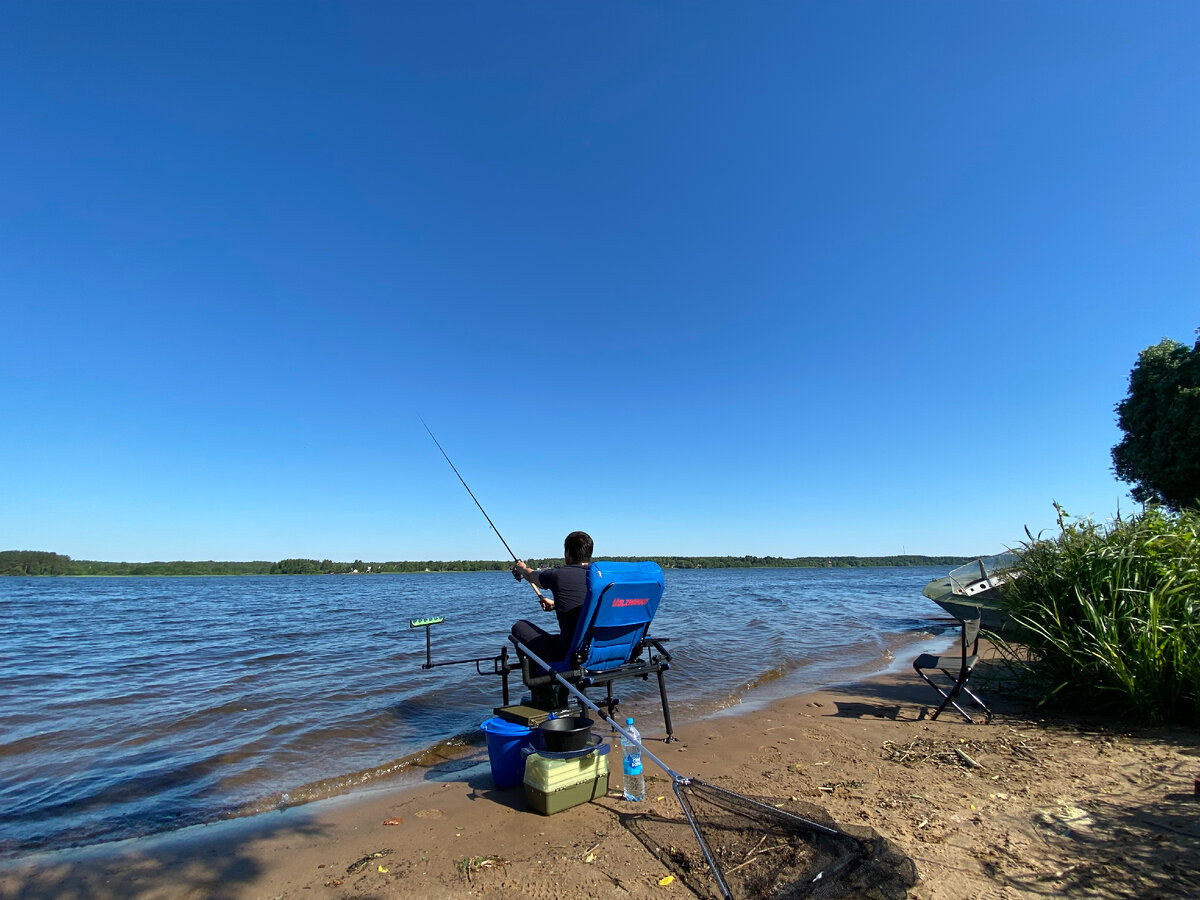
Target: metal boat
<point>973,590</point>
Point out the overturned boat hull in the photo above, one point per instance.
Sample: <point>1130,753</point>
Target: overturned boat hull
<point>973,591</point>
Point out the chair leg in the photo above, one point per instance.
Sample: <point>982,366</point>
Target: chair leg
<point>662,692</point>
<point>947,700</point>
<point>978,702</point>
<point>960,687</point>
<point>951,699</point>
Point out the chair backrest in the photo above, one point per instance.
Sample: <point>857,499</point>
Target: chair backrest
<point>970,636</point>
<point>622,598</point>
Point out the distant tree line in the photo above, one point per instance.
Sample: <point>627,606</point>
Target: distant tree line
<point>33,562</point>
<point>177,567</point>
<point>37,562</point>
<point>803,562</point>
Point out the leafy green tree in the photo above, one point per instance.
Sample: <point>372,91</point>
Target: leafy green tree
<point>1160,452</point>
<point>296,567</point>
<point>33,562</point>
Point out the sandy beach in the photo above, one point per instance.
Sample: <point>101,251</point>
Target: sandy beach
<point>1026,806</point>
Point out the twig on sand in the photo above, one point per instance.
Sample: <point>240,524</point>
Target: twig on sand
<point>762,840</point>
<point>755,855</point>
<point>475,863</point>
<point>362,863</point>
<point>1155,823</point>
<point>970,762</point>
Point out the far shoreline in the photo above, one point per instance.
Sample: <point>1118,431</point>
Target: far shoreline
<point>474,568</point>
<point>260,568</point>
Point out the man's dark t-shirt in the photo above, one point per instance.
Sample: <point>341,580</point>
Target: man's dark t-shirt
<point>569,584</point>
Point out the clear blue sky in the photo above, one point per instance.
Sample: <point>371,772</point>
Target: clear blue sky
<point>774,278</point>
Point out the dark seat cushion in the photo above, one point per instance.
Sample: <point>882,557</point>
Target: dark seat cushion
<point>929,661</point>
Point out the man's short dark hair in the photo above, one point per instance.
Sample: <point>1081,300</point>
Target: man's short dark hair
<point>577,548</point>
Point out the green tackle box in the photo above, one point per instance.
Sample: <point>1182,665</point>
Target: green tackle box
<point>553,784</point>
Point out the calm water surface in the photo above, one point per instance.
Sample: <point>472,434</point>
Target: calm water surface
<point>130,706</point>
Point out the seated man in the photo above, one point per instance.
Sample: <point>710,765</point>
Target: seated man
<point>568,585</point>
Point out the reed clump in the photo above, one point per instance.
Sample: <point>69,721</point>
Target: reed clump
<point>1110,614</point>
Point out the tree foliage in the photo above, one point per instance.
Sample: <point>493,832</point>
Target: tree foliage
<point>176,567</point>
<point>1160,452</point>
<point>794,562</point>
<point>33,562</point>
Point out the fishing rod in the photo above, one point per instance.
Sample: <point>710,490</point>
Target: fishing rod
<point>541,596</point>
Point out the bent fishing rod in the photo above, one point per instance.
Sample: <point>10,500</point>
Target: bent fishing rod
<point>541,596</point>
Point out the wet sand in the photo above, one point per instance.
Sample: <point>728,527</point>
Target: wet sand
<point>1022,807</point>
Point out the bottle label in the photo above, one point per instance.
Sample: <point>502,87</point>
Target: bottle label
<point>633,765</point>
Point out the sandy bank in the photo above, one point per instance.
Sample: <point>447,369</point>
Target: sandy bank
<point>1052,807</point>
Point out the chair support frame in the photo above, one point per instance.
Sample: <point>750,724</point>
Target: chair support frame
<point>965,662</point>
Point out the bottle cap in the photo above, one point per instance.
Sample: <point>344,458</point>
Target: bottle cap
<point>629,720</point>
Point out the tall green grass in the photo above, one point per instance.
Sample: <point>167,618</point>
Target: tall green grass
<point>1110,614</point>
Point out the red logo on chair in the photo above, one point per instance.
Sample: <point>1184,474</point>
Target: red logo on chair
<point>630,601</point>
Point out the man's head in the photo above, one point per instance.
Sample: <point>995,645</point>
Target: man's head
<point>577,548</point>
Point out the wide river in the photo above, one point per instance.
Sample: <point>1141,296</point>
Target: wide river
<point>131,706</point>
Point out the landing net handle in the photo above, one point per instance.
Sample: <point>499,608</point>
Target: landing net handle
<point>679,782</point>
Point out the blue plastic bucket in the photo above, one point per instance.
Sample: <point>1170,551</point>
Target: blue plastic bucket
<point>505,741</point>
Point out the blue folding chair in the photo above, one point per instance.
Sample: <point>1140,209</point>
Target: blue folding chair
<point>611,639</point>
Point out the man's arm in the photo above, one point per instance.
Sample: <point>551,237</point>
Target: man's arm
<point>527,573</point>
<point>523,571</point>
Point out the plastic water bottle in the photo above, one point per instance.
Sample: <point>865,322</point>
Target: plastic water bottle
<point>635,781</point>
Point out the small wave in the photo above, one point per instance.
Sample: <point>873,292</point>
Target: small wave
<point>43,741</point>
<point>265,658</point>
<point>741,693</point>
<point>450,755</point>
<point>767,677</point>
